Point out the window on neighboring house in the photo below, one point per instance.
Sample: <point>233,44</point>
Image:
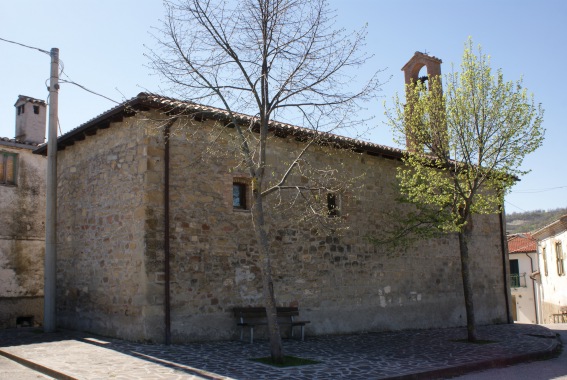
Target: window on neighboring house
<point>333,206</point>
<point>36,110</point>
<point>8,168</point>
<point>559,254</point>
<point>239,196</point>
<point>544,256</point>
<point>514,274</point>
<point>21,109</point>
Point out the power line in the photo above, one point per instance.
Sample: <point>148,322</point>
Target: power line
<point>513,205</point>
<point>533,191</point>
<point>62,71</point>
<point>86,89</point>
<point>26,46</point>
<point>70,81</point>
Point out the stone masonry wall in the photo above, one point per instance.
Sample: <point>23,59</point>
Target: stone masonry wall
<point>341,283</point>
<point>22,236</point>
<point>102,216</point>
<point>111,244</point>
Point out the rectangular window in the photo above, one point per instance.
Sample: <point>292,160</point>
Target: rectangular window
<point>21,109</point>
<point>239,196</point>
<point>8,168</point>
<point>544,256</point>
<point>332,205</point>
<point>559,254</point>
<point>514,274</point>
<point>36,110</point>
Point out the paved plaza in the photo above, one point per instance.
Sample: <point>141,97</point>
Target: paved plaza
<point>435,353</point>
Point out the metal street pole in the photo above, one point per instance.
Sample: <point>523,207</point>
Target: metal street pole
<point>50,266</point>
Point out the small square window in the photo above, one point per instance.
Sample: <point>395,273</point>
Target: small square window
<point>332,205</point>
<point>239,196</point>
<point>36,110</point>
<point>21,109</point>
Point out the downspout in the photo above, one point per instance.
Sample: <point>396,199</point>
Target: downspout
<point>533,288</point>
<point>505,272</point>
<point>167,299</point>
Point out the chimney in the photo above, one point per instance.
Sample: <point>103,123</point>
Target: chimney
<point>411,73</point>
<point>30,119</point>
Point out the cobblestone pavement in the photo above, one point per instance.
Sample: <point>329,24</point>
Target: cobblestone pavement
<point>434,353</point>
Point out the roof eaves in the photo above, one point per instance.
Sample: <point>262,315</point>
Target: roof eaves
<point>551,229</point>
<point>174,106</point>
<point>5,141</point>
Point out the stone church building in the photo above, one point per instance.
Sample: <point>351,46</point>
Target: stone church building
<point>128,198</point>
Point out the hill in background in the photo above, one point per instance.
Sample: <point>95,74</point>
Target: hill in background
<point>528,221</point>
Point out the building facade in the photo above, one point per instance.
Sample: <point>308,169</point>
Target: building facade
<point>22,217</point>
<point>524,269</point>
<point>551,244</point>
<point>127,201</point>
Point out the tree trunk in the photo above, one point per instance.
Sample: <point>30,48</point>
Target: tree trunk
<point>276,349</point>
<point>467,285</point>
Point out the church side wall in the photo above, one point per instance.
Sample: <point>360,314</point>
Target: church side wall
<point>111,244</point>
<point>341,283</point>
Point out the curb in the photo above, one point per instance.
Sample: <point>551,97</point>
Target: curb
<point>37,367</point>
<point>484,364</point>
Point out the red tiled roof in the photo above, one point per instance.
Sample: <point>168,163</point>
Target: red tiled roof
<point>521,243</point>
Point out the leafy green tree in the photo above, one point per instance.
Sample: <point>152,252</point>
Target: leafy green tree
<point>466,145</point>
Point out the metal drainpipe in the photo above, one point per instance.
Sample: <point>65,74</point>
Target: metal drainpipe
<point>504,265</point>
<point>533,287</point>
<point>167,311</point>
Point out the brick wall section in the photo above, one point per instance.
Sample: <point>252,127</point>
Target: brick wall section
<point>111,246</point>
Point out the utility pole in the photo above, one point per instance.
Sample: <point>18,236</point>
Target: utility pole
<point>50,266</point>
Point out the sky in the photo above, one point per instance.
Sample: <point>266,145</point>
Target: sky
<point>102,45</point>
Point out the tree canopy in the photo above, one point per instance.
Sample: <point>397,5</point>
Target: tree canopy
<point>466,144</point>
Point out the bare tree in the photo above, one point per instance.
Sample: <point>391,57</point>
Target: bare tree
<point>270,59</point>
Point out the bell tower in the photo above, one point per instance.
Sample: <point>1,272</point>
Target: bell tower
<point>411,74</point>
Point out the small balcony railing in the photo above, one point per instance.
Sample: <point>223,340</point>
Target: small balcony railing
<point>518,280</point>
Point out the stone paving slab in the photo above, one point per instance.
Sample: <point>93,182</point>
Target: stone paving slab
<point>432,353</point>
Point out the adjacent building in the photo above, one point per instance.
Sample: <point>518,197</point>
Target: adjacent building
<point>551,244</point>
<point>22,217</point>
<point>524,270</point>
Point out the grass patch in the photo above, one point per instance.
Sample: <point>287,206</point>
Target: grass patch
<point>478,341</point>
<point>289,361</point>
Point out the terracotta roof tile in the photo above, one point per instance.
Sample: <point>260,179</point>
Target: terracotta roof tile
<point>522,243</point>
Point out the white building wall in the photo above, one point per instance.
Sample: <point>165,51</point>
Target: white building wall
<point>553,284</point>
<point>523,296</point>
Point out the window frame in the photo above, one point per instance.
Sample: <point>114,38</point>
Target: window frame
<point>514,274</point>
<point>333,205</point>
<point>5,163</point>
<point>559,258</point>
<point>243,185</point>
<point>544,255</point>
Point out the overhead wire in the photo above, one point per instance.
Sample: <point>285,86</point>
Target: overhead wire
<point>533,191</point>
<point>26,46</point>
